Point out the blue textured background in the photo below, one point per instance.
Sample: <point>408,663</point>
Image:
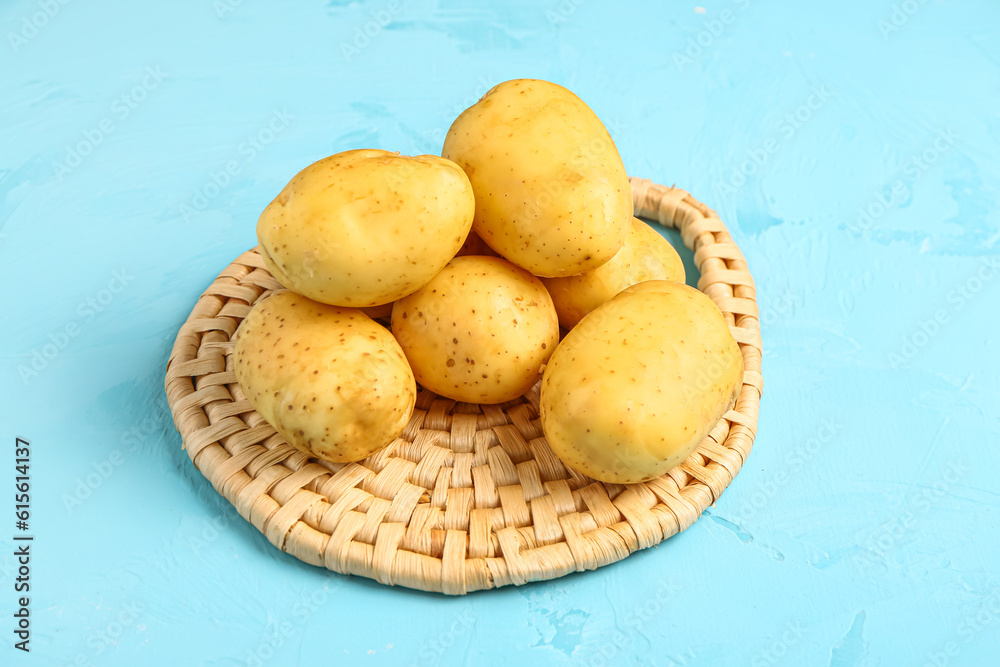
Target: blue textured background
<point>852,147</point>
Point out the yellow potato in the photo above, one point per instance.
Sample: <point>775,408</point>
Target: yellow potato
<point>636,386</point>
<point>552,195</point>
<point>334,383</point>
<point>366,227</point>
<point>645,256</point>
<point>479,331</point>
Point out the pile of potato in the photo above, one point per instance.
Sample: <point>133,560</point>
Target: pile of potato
<point>474,260</point>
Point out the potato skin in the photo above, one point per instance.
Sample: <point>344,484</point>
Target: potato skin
<point>636,386</point>
<point>366,227</point>
<point>552,195</point>
<point>334,383</point>
<point>479,331</point>
<point>645,256</point>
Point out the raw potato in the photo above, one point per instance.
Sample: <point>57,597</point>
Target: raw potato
<point>329,379</point>
<point>645,256</point>
<point>366,227</point>
<point>636,386</point>
<point>479,331</point>
<point>552,195</point>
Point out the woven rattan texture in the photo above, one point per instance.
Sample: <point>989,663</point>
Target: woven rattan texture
<point>470,497</point>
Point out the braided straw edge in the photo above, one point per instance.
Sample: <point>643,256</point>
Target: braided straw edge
<point>308,507</point>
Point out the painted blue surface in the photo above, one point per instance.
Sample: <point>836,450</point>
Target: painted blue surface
<point>863,529</point>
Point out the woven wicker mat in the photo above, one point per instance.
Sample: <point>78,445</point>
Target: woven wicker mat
<point>470,497</point>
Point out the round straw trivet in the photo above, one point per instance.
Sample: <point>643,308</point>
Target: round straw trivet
<point>470,496</point>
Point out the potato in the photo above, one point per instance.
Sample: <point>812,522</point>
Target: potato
<point>636,386</point>
<point>479,331</point>
<point>645,256</point>
<point>330,380</point>
<point>551,192</point>
<point>366,227</point>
